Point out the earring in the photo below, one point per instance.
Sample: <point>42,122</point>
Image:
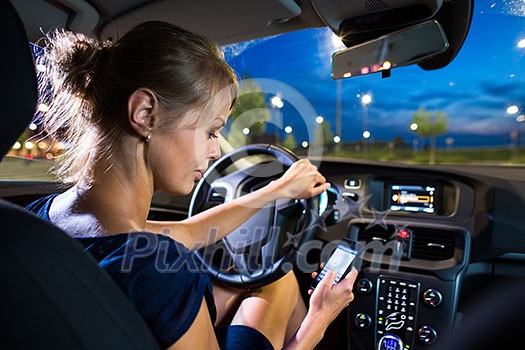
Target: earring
<point>148,138</point>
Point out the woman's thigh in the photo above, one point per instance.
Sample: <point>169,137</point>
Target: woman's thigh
<point>227,301</point>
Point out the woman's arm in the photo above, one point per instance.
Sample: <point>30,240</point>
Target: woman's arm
<point>200,335</point>
<point>301,180</point>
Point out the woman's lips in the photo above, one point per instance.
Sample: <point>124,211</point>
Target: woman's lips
<point>198,175</point>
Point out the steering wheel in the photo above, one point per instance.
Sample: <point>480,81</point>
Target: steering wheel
<point>263,248</point>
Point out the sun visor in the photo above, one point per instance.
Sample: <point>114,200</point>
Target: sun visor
<point>208,17</point>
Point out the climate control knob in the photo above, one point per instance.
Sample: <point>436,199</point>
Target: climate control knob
<point>362,321</point>
<point>432,297</point>
<point>427,335</point>
<point>390,342</point>
<point>364,286</point>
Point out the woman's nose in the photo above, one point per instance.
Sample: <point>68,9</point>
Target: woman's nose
<point>214,151</point>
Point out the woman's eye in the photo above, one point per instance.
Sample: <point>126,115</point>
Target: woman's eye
<point>212,135</point>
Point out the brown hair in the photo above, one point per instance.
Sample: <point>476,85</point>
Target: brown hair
<point>87,84</point>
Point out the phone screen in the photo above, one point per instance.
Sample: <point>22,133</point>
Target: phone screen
<point>340,261</point>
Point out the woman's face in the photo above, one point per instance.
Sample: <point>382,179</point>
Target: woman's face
<point>180,156</point>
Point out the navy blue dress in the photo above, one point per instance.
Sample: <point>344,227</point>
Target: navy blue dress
<point>164,280</point>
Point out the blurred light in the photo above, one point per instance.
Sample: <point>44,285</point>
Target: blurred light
<point>41,68</point>
<point>304,144</point>
<point>49,155</point>
<point>521,43</point>
<point>337,139</point>
<point>520,118</point>
<point>32,127</point>
<point>337,43</point>
<point>347,75</point>
<point>366,99</point>
<point>319,119</point>
<point>387,65</point>
<point>245,131</point>
<point>17,145</point>
<point>42,107</point>
<point>42,145</point>
<point>288,129</point>
<point>62,145</point>
<point>512,109</point>
<point>277,102</point>
<point>28,145</point>
<point>366,134</point>
<point>414,126</point>
<point>365,70</point>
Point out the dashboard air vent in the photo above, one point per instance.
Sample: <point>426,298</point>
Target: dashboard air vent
<point>375,233</point>
<point>432,244</point>
<point>217,195</point>
<point>427,243</point>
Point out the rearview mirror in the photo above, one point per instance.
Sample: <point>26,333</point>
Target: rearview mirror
<point>396,49</point>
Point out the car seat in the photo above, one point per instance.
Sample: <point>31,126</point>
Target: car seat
<point>53,295</point>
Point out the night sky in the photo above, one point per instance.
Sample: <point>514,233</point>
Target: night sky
<point>474,90</point>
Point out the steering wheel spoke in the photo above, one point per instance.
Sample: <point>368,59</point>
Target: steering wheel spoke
<point>257,249</point>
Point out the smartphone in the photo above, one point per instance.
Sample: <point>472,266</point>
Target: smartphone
<point>341,260</point>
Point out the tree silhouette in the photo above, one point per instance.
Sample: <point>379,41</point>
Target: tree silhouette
<point>289,142</point>
<point>251,111</point>
<point>323,136</point>
<point>431,125</point>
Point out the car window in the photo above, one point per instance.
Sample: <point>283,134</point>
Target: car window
<point>472,111</point>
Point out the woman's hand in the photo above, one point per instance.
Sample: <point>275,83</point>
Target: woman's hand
<point>301,180</point>
<point>328,300</point>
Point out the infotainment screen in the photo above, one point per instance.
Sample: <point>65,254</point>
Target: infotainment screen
<point>413,198</point>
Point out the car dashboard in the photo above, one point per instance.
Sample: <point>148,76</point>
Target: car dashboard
<point>434,238</point>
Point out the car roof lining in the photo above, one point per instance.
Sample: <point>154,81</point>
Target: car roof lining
<point>225,21</point>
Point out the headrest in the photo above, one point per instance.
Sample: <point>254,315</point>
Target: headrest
<point>18,88</point>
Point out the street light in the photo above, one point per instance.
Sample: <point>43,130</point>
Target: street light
<point>277,103</point>
<point>288,129</point>
<point>449,141</point>
<point>414,126</point>
<point>514,135</point>
<point>319,119</point>
<point>366,99</point>
<point>512,109</point>
<point>520,119</point>
<point>337,139</point>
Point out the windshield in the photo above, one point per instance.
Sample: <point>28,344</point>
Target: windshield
<point>470,112</point>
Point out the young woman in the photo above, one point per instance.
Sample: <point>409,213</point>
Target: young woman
<point>143,115</point>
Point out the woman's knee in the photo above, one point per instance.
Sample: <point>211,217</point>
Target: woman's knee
<point>286,287</point>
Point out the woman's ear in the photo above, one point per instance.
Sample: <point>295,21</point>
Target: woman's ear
<point>142,104</point>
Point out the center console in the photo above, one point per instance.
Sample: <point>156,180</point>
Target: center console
<point>405,301</point>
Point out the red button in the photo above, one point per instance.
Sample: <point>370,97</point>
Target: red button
<point>403,234</point>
